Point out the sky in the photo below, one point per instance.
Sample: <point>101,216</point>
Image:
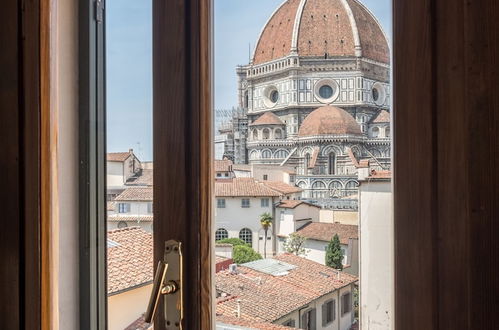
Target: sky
<point>129,61</point>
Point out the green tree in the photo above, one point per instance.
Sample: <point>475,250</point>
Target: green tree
<point>233,241</point>
<point>243,254</point>
<point>295,244</point>
<point>266,222</point>
<point>334,257</point>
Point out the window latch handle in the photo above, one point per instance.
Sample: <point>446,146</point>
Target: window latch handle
<point>167,284</point>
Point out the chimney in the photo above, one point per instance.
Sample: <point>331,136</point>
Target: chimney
<point>130,151</point>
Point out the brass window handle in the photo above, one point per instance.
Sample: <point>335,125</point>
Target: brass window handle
<point>167,284</point>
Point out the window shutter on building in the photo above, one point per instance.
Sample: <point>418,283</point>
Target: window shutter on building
<point>313,321</point>
<point>324,314</point>
<point>304,321</point>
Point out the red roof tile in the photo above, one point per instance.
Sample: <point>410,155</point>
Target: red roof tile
<point>380,174</point>
<point>223,165</point>
<point>322,231</point>
<point>291,204</point>
<point>136,194</point>
<point>136,218</point>
<point>268,118</point>
<point>141,178</point>
<point>232,320</point>
<point>382,117</point>
<point>243,187</point>
<point>329,120</point>
<point>140,324</point>
<point>118,156</point>
<point>129,259</point>
<point>266,298</point>
<point>325,26</point>
<point>282,187</point>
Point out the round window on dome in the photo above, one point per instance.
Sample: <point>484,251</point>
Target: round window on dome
<point>378,94</point>
<point>271,98</point>
<point>375,94</point>
<point>274,96</point>
<point>326,91</point>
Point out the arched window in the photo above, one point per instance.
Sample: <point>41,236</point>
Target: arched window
<point>387,132</point>
<point>220,234</point>
<point>255,134</point>
<point>376,153</point>
<point>254,155</point>
<point>266,134</point>
<point>246,99</point>
<point>332,163</point>
<point>351,188</point>
<point>278,133</point>
<point>319,190</point>
<point>281,154</point>
<point>375,132</point>
<point>319,185</point>
<point>246,235</point>
<point>266,154</point>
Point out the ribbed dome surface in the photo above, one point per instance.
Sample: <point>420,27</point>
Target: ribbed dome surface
<point>313,28</point>
<point>329,120</point>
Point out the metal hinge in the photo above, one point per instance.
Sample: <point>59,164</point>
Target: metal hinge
<point>99,11</point>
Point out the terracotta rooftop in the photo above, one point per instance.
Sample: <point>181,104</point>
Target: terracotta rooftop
<point>140,324</point>
<point>243,187</point>
<point>333,27</point>
<point>241,167</point>
<point>291,204</point>
<point>329,120</point>
<point>266,298</point>
<point>232,320</point>
<point>111,206</point>
<point>136,218</point>
<point>382,117</point>
<point>268,118</point>
<point>129,259</point>
<point>118,156</point>
<point>223,165</point>
<point>136,194</point>
<point>380,174</point>
<point>141,178</point>
<point>322,231</point>
<point>282,187</point>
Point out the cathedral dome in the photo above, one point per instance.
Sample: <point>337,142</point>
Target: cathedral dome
<point>329,120</point>
<point>319,28</point>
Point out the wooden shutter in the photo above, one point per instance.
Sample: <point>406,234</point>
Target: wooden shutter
<point>324,314</point>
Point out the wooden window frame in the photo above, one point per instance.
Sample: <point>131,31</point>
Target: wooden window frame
<point>445,157</point>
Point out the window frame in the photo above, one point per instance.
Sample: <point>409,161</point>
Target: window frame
<point>221,203</point>
<point>325,322</point>
<point>245,205</point>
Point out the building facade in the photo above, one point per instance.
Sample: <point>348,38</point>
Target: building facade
<point>316,95</point>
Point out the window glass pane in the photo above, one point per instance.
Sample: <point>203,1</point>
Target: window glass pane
<point>130,210</point>
<point>303,115</point>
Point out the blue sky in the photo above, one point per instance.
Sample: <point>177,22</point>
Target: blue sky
<point>129,67</point>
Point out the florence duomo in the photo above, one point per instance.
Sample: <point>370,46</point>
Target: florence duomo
<point>316,95</point>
